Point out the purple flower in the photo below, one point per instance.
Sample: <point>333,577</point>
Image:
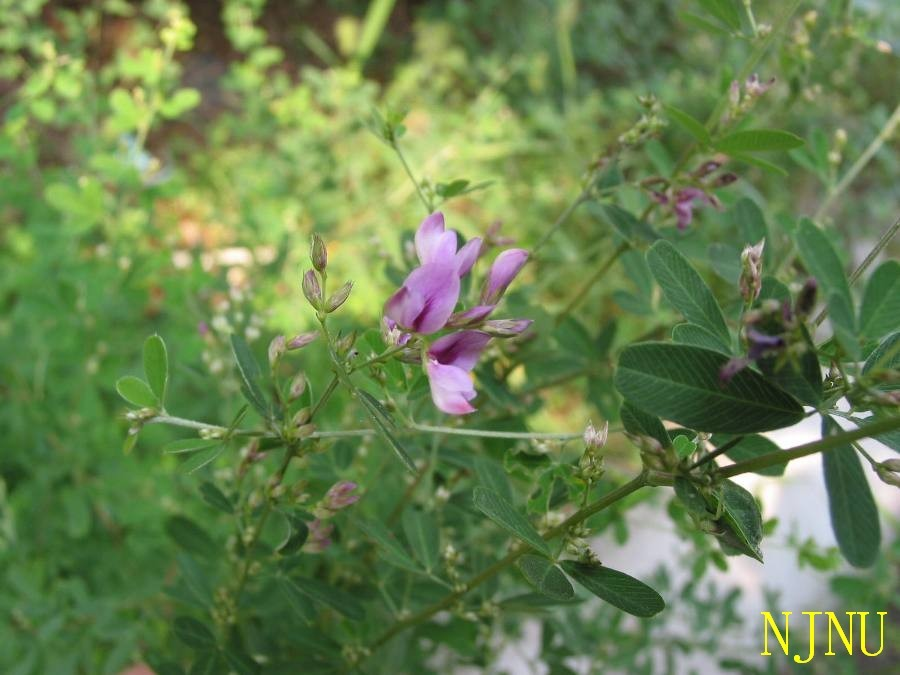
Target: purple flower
<point>434,243</point>
<point>449,364</point>
<point>319,536</point>
<point>340,496</point>
<point>761,344</point>
<point>427,298</point>
<point>505,268</point>
<point>684,205</point>
<point>731,368</point>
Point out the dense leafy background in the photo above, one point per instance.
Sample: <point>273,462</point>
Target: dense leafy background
<point>163,167</point>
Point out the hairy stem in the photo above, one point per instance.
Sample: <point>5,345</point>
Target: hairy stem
<point>402,158</point>
<point>518,551</point>
<point>822,445</point>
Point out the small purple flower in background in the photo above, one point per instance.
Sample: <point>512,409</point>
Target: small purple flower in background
<point>340,496</point>
<point>427,301</point>
<point>684,202</point>
<point>319,536</point>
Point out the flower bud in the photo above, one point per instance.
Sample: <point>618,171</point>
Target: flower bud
<point>343,344</point>
<point>751,271</point>
<point>339,297</point>
<point>888,476</point>
<point>276,349</point>
<point>806,299</point>
<point>318,254</point>
<point>595,439</point>
<point>505,328</point>
<point>891,465</point>
<point>339,496</point>
<point>301,340</point>
<point>301,417</point>
<point>298,386</point>
<point>311,289</point>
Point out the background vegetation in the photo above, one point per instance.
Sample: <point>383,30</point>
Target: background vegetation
<point>164,164</point>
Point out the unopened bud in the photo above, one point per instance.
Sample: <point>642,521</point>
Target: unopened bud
<point>888,476</point>
<point>751,271</point>
<point>305,431</point>
<point>311,289</point>
<point>891,465</point>
<point>840,139</point>
<point>298,386</point>
<point>276,349</point>
<point>339,297</point>
<point>301,340</point>
<point>318,254</point>
<point>595,439</point>
<point>343,344</point>
<point>806,299</point>
<point>504,328</point>
<point>301,417</point>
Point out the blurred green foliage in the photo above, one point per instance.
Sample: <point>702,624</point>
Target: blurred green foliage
<point>163,166</point>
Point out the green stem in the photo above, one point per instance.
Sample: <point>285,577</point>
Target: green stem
<point>582,514</point>
<point>486,433</point>
<point>388,353</point>
<point>598,274</point>
<point>822,445</point>
<point>564,216</point>
<point>425,202</point>
<point>725,447</point>
<point>883,136</point>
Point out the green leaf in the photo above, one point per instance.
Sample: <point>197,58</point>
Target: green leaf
<point>800,375</point>
<point>740,513</point>
<point>681,383</point>
<point>690,496</point>
<point>886,356</point>
<point>693,126</point>
<point>297,533</point>
<point>300,603</point>
<point>200,459</point>
<point>844,325</point>
<point>156,366</point>
<point>250,376</point>
<point>423,536</point>
<point>757,140</point>
<point>854,516</point>
<point>751,446</point>
<point>546,577</point>
<point>534,602</point>
<point>880,311</point>
<point>180,102</point>
<point>137,392</point>
<point>240,662</point>
<point>616,588</point>
<point>382,424</point>
<point>338,600</point>
<point>505,515</point>
<point>821,259</point>
<point>391,549</point>
<point>193,633</point>
<point>641,423</point>
<point>750,221</point>
<point>190,536</point>
<point>684,447</point>
<point>723,10</point>
<point>624,222</point>
<point>492,476</point>
<point>213,496</point>
<point>691,334</point>
<point>685,289</point>
<point>759,163</point>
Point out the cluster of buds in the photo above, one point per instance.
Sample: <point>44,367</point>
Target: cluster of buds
<point>453,560</point>
<point>836,154</point>
<point>774,330</point>
<point>578,545</point>
<point>889,471</point>
<point>650,124</point>
<point>590,466</point>
<point>314,281</point>
<point>742,99</point>
<point>339,496</point>
<point>751,272</point>
<point>319,536</point>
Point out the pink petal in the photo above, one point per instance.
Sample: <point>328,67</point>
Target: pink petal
<point>437,284</point>
<point>461,349</point>
<point>451,388</point>
<point>467,255</point>
<point>404,307</point>
<point>433,243</point>
<point>470,316</point>
<point>503,271</point>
